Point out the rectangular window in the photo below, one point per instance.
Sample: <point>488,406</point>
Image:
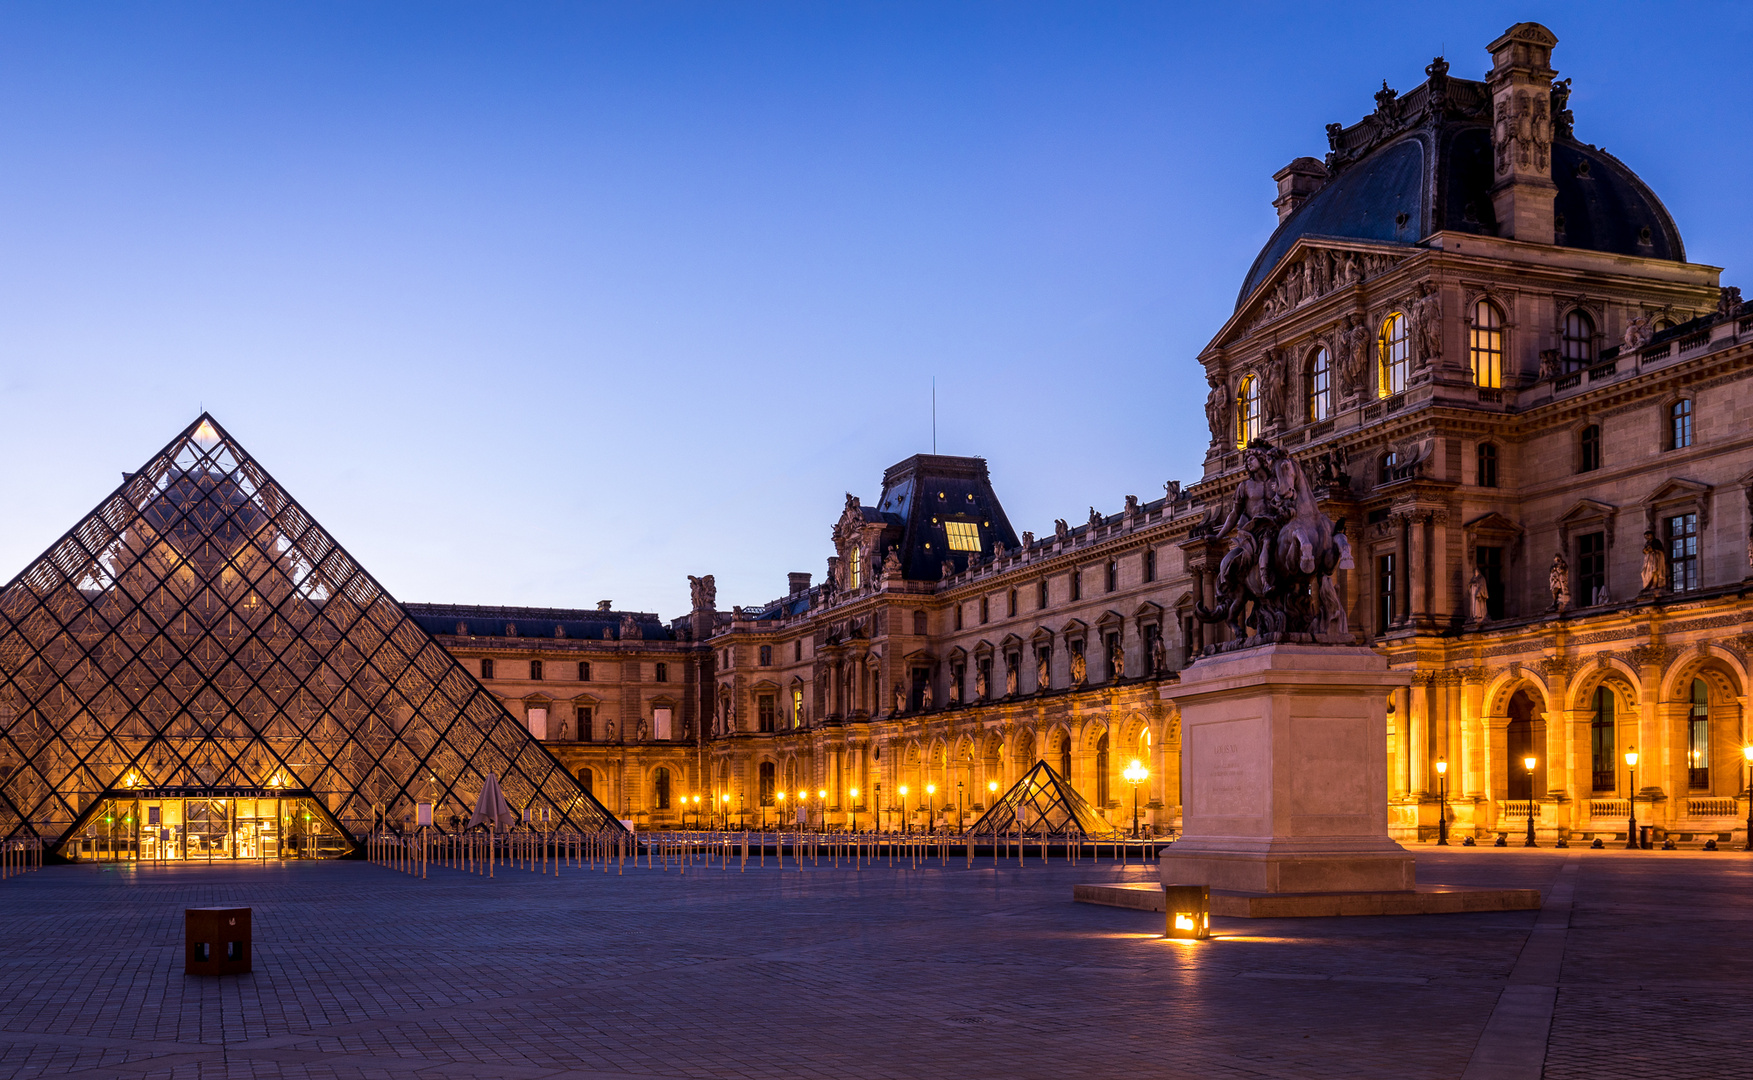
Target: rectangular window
<point>1490,562</point>
<point>1011,611</point>
<point>585,731</point>
<point>1591,568</point>
<point>1683,552</point>
<point>1111,649</point>
<point>985,669</point>
<point>1486,474</point>
<point>1384,593</point>
<point>764,712</point>
<point>1077,585</point>
<point>486,668</point>
<point>1041,594</point>
<point>797,708</point>
<point>584,671</point>
<point>1589,449</point>
<point>663,670</point>
<point>963,535</point>
<point>1698,739</point>
<point>766,657</point>
<point>1680,425</point>
<point>1113,575</point>
<point>958,616</point>
<point>660,724</point>
<point>538,722</point>
<point>1150,564</point>
<point>985,609</point>
<point>797,650</point>
<point>1151,633</point>
<point>536,670</point>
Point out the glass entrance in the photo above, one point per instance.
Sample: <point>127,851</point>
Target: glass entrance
<point>205,826</point>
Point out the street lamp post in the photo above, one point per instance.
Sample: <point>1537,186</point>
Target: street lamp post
<point>1135,775</point>
<point>1442,817</point>
<point>931,808</point>
<point>1529,842</point>
<point>958,806</point>
<point>822,797</point>
<point>1631,825</point>
<point>1747,752</point>
<point>852,793</point>
<point>724,805</point>
<point>906,826</point>
<point>780,812</point>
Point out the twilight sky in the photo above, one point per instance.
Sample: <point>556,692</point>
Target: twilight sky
<point>551,303</point>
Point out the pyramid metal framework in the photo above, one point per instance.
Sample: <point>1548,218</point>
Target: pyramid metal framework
<point>199,634</point>
<point>1042,803</point>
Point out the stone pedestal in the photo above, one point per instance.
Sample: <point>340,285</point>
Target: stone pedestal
<point>1284,773</point>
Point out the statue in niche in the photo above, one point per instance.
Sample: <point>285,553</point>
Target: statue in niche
<point>1654,569</point>
<point>1159,656</point>
<point>1427,315</point>
<point>609,729</point>
<point>1080,670</point>
<point>900,699</point>
<point>1010,680</point>
<point>642,730</point>
<point>1750,547</point>
<point>980,683</point>
<point>1043,670</point>
<point>1558,581</point>
<point>1217,411</point>
<point>1353,350</point>
<point>925,693</point>
<point>1117,662</point>
<point>1272,384</point>
<point>955,691</point>
<point>1478,596</point>
<point>1638,333</point>
<point>1277,580</point>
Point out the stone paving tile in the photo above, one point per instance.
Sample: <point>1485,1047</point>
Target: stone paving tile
<point>877,973</point>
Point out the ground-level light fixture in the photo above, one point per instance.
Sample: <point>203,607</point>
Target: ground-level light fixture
<point>1187,912</point>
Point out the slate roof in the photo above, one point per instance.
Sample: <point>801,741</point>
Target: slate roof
<point>471,620</point>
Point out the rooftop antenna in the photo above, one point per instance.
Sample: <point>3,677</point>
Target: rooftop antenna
<point>934,416</point>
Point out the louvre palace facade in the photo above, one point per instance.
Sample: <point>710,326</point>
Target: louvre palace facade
<point>1481,338</point>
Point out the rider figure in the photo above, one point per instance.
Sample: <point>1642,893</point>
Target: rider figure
<point>1252,518</point>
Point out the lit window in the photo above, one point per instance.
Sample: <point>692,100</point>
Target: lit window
<point>1487,345</point>
<point>1320,387</point>
<point>1698,737</point>
<point>797,708</point>
<point>857,566</point>
<point>1579,340</point>
<point>1680,425</point>
<point>963,535</point>
<point>1248,411</point>
<point>1395,348</point>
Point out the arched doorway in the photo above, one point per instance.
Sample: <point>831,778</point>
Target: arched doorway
<point>661,789</point>
<point>585,781</point>
<point>1523,739</point>
<point>1065,756</point>
<point>1102,772</point>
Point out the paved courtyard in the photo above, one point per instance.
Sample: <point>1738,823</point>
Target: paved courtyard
<point>939,973</point>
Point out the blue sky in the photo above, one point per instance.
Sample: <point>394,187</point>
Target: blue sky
<point>547,304</point>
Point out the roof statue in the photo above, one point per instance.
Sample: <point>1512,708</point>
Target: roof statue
<point>199,639</point>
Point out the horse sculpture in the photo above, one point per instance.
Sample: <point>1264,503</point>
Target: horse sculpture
<point>1284,553</point>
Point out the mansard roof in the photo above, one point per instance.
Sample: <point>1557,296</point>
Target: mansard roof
<point>923,493</point>
<point>1422,163</point>
<point>473,620</point>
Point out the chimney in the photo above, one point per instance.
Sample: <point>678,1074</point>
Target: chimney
<point>1521,132</point>
<point>604,605</point>
<point>800,582</point>
<point>1296,182</point>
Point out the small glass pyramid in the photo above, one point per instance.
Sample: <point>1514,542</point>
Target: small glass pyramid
<point>1042,804</point>
<point>197,670</point>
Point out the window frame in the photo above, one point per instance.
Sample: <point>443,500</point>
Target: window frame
<point>1249,411</point>
<point>1698,736</point>
<point>486,667</point>
<point>1682,420</point>
<point>536,670</point>
<point>1591,566</point>
<point>1485,345</point>
<point>1394,355</point>
<point>1683,575</point>
<point>1589,448</point>
<point>1485,465</point>
<point>1576,339</point>
<point>1603,741</point>
<point>1318,385</point>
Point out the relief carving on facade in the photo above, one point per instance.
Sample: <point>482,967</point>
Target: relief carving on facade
<point>1523,132</point>
<point>1427,319</point>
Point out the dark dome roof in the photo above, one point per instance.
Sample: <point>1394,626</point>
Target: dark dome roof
<point>1438,177</point>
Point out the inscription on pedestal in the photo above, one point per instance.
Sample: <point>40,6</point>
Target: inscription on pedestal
<point>1229,780</point>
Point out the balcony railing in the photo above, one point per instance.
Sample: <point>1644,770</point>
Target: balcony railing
<point>1694,341</point>
<point>1609,808</point>
<point>1516,808</point>
<point>1702,808</point>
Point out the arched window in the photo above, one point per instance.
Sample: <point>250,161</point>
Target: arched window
<point>1486,346</point>
<point>1579,340</point>
<point>1698,737</point>
<point>1522,737</point>
<point>1319,387</point>
<point>1589,449</point>
<point>1486,473</point>
<point>1248,411</point>
<point>767,783</point>
<point>856,565</point>
<point>1385,470</point>
<point>585,781</point>
<point>1102,772</point>
<point>1065,758</point>
<point>1395,349</point>
<point>661,788</point>
<point>1605,762</point>
<point>1680,424</point>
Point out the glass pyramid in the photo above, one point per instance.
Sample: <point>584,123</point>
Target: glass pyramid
<point>197,669</point>
<point>1043,804</point>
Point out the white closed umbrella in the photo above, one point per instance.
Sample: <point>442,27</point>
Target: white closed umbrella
<point>492,810</point>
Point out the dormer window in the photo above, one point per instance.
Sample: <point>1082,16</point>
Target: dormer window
<point>1320,387</point>
<point>855,564</point>
<point>963,535</point>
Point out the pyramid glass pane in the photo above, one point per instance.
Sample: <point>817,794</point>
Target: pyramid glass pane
<point>198,670</point>
<point>1043,804</point>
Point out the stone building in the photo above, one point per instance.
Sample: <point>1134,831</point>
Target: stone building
<point>1481,337</point>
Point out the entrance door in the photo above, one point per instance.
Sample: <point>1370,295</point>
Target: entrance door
<point>208,828</point>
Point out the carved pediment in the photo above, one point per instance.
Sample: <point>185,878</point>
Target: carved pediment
<point>1494,526</point>
<point>1308,272</point>
<point>1110,618</point>
<point>1587,512</point>
<point>1679,492</point>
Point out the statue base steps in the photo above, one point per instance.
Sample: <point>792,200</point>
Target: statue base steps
<point>1423,900</point>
